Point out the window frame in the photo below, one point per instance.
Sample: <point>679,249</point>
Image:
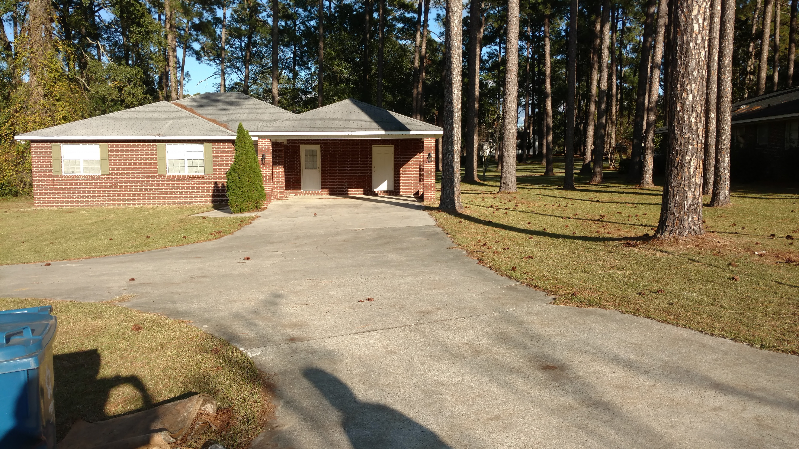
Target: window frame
<point>69,151</point>
<point>762,138</point>
<point>198,149</point>
<point>792,134</point>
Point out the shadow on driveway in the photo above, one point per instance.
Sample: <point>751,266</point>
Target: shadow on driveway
<point>370,425</point>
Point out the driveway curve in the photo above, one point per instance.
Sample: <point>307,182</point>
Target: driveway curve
<point>378,333</point>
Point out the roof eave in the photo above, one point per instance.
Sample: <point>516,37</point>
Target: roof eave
<point>348,134</point>
<point>763,119</point>
<point>23,137</point>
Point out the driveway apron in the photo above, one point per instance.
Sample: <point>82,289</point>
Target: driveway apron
<point>378,333</point>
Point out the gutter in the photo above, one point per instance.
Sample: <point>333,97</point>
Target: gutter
<point>763,119</point>
<point>22,137</point>
<point>349,134</point>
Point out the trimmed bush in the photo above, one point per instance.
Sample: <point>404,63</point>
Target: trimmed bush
<point>245,187</point>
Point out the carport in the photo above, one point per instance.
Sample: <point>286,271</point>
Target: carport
<point>348,148</point>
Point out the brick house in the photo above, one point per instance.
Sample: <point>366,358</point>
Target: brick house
<point>765,137</point>
<point>179,153</point>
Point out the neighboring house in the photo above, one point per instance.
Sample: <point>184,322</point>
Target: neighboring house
<point>179,153</point>
<point>765,137</point>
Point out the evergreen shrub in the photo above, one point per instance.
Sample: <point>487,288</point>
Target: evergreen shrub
<point>245,187</point>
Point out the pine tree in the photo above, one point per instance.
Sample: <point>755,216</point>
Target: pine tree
<point>245,187</point>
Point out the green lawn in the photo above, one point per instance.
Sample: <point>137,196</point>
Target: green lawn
<point>28,234</point>
<point>589,248</point>
<point>110,360</point>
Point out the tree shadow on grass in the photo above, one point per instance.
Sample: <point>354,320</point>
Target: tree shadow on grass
<point>370,425</point>
<point>541,233</point>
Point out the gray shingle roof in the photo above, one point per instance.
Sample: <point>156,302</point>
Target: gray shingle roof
<point>350,117</point>
<point>774,105</point>
<point>161,120</point>
<point>232,108</point>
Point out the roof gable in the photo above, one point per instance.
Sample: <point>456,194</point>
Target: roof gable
<point>350,117</point>
<point>160,120</point>
<point>232,108</point>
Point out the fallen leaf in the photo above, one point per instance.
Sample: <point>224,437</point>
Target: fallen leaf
<point>370,299</point>
<point>733,264</point>
<point>735,278</point>
<point>131,279</point>
<point>47,264</point>
<point>136,328</point>
<point>247,258</point>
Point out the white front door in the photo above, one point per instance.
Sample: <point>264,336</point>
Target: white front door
<point>382,167</point>
<point>311,167</point>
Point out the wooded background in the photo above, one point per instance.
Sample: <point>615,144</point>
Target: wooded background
<point>64,60</point>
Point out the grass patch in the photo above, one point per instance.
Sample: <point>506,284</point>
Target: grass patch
<point>31,235</point>
<point>589,248</point>
<point>110,360</point>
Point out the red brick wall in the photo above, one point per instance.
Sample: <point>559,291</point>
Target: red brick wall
<point>133,179</point>
<point>427,175</point>
<point>347,166</point>
<point>264,150</point>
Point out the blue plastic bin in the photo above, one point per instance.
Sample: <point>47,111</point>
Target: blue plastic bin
<point>27,406</point>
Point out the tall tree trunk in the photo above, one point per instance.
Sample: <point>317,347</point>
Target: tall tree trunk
<point>248,48</point>
<point>750,65</point>
<point>528,108</point>
<point>510,117</point>
<point>417,48</point>
<point>223,52</point>
<point>164,76</point>
<point>763,69</point>
<point>592,99</point>
<point>710,103</point>
<point>642,91</point>
<point>620,64</point>
<point>476,27</point>
<point>366,64</point>
<point>320,17</point>
<point>275,50</point>
<point>183,58</point>
<point>451,140</point>
<point>549,170</point>
<point>602,99</point>
<point>422,62</point>
<point>610,140</point>
<point>39,46</point>
<point>721,180</point>
<point>380,11</point>
<point>654,92</point>
<point>571,83</point>
<point>681,209</point>
<point>171,49</point>
<point>791,45</point>
<point>294,38</point>
<point>535,121</point>
<point>776,69</point>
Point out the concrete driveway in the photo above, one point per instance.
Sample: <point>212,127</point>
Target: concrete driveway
<point>379,334</point>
